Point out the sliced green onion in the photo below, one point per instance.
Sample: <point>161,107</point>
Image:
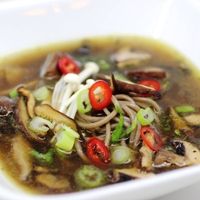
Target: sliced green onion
<point>39,124</point>
<point>145,116</point>
<point>66,138</point>
<point>184,109</point>
<point>103,64</point>
<point>41,93</point>
<point>120,77</point>
<point>126,132</point>
<point>89,177</point>
<point>61,153</point>
<point>13,93</point>
<point>118,130</point>
<point>177,132</point>
<point>120,155</point>
<point>83,101</point>
<point>44,158</point>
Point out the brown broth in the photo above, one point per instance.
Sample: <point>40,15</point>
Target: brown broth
<point>25,66</point>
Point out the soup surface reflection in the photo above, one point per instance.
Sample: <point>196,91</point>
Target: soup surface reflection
<point>95,112</point>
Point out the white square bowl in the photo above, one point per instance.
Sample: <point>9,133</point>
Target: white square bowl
<point>28,24</point>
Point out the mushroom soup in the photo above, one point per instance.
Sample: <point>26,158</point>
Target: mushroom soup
<point>95,112</point>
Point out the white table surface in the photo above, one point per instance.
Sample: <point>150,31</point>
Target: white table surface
<point>189,193</point>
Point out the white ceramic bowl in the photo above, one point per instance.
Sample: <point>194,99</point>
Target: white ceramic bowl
<point>27,24</point>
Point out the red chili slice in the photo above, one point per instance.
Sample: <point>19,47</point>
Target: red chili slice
<point>100,95</point>
<point>150,83</point>
<point>156,136</point>
<point>97,152</point>
<point>68,65</point>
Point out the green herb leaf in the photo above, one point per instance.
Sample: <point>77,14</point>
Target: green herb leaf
<point>44,158</point>
<point>118,130</point>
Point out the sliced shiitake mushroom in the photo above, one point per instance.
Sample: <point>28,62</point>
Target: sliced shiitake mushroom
<point>21,149</point>
<point>6,106</point>
<point>125,57</point>
<point>120,86</point>
<point>22,120</point>
<point>52,181</point>
<point>186,154</point>
<point>134,173</point>
<point>49,69</point>
<point>187,149</point>
<point>7,121</point>
<point>148,72</point>
<point>30,100</point>
<point>192,119</point>
<point>179,123</point>
<point>166,158</point>
<point>47,112</point>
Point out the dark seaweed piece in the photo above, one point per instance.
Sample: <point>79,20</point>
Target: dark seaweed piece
<point>7,122</point>
<point>124,177</point>
<point>116,177</point>
<point>180,149</point>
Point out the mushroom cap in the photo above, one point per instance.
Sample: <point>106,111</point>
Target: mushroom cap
<point>93,66</point>
<point>72,78</point>
<point>90,82</point>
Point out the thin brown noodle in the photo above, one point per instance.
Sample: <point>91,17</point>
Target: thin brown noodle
<point>102,126</point>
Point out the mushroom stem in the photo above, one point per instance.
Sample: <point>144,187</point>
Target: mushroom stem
<point>71,111</point>
<point>88,84</point>
<point>57,93</point>
<point>71,83</point>
<point>90,68</point>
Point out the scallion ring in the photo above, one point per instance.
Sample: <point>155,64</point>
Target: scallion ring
<point>89,176</point>
<point>39,124</point>
<point>13,93</point>
<point>66,138</point>
<point>145,116</point>
<point>41,93</point>
<point>83,101</point>
<point>120,155</point>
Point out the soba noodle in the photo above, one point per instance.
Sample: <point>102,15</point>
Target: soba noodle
<point>103,126</point>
